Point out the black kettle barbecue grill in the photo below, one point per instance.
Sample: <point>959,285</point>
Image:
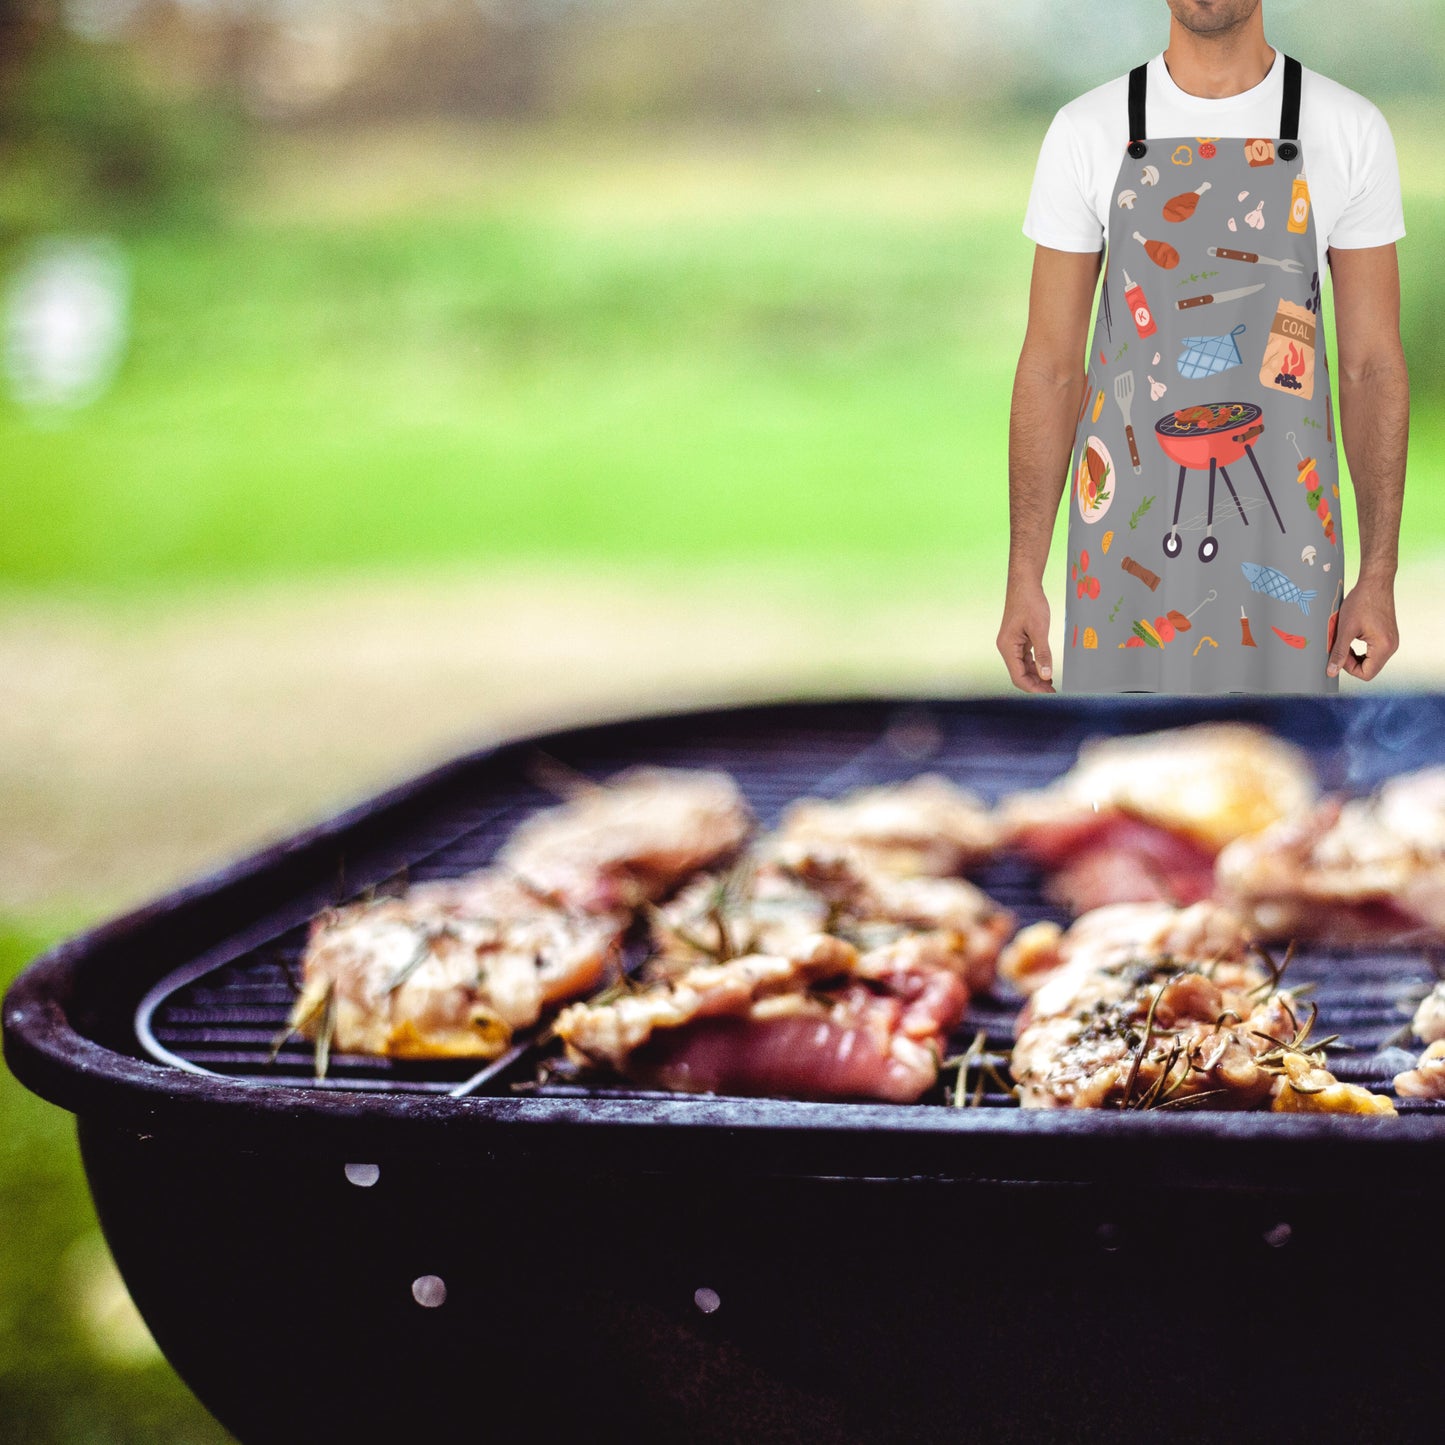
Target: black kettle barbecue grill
<point>1195,447</point>
<point>404,1252</point>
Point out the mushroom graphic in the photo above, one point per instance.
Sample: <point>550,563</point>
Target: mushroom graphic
<point>1150,176</point>
<point>1127,199</point>
<point>1308,555</point>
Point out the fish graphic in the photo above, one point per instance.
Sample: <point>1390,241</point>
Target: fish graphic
<point>1273,583</point>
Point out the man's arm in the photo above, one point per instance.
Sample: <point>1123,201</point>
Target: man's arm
<point>1374,393</point>
<point>1048,390</point>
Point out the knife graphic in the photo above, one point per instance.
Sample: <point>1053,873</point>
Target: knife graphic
<point>1186,302</point>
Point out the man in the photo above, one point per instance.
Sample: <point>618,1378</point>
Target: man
<point>1205,542</point>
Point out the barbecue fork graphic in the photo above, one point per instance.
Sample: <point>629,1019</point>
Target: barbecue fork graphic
<point>1124,395</point>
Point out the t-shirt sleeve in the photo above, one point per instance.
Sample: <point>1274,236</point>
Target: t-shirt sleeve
<point>1059,213</point>
<point>1374,214</point>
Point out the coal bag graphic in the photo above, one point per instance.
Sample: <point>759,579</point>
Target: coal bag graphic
<point>1289,354</point>
<point>1209,355</point>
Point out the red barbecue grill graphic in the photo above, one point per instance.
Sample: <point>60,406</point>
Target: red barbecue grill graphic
<point>1213,435</point>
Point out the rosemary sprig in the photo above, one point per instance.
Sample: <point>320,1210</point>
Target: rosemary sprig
<point>1138,1059</point>
<point>326,1030</point>
<point>1276,970</point>
<point>430,936</point>
<point>976,1055</point>
<point>298,1026</point>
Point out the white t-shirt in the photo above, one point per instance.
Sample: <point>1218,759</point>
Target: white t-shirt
<point>1348,151</point>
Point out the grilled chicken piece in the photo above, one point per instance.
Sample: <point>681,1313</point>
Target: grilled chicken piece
<point>1142,817</point>
<point>1429,1022</point>
<point>1105,938</point>
<point>925,825</point>
<point>748,909</point>
<point>785,890</point>
<point>1346,870</point>
<point>630,839</point>
<point>822,1022</point>
<point>1149,1006</point>
<point>1427,1079</point>
<point>448,971</point>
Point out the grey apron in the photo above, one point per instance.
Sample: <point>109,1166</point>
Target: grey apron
<point>1204,504</point>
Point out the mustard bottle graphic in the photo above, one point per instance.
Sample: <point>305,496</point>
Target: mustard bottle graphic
<point>1299,205</point>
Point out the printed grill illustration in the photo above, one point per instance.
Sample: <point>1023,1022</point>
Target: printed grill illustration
<point>1212,436</point>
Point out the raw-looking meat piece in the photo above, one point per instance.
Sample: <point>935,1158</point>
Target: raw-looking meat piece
<point>1346,870</point>
<point>1142,817</point>
<point>924,825</point>
<point>450,970</point>
<point>1429,1022</point>
<point>1145,1006</point>
<point>824,1022</point>
<point>630,839</point>
<point>1427,1079</point>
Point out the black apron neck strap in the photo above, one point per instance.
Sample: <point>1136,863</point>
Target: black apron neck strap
<point>1137,78</point>
<point>1289,107</point>
<point>1288,111</point>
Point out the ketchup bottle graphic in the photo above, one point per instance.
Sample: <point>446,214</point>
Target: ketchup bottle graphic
<point>1138,305</point>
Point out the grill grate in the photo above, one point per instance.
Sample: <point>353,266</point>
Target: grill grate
<point>221,1014</point>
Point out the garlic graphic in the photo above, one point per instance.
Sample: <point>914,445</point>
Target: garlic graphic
<point>1256,217</point>
<point>1156,388</point>
<point>1156,359</point>
<point>1232,225</point>
<point>1244,195</point>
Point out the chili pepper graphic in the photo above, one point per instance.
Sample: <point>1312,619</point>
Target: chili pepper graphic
<point>1293,638</point>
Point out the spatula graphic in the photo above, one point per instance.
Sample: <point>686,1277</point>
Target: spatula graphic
<point>1124,395</point>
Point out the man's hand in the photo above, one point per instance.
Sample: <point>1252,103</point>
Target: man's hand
<point>1367,614</point>
<point>1023,638</point>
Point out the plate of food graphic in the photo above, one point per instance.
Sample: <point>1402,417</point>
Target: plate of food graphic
<point>1094,480</point>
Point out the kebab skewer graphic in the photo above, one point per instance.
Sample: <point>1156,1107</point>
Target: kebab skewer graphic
<point>1164,629</point>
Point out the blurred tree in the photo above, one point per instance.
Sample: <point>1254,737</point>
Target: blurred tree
<point>87,143</point>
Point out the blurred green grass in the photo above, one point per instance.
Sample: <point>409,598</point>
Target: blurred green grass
<point>770,372</point>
